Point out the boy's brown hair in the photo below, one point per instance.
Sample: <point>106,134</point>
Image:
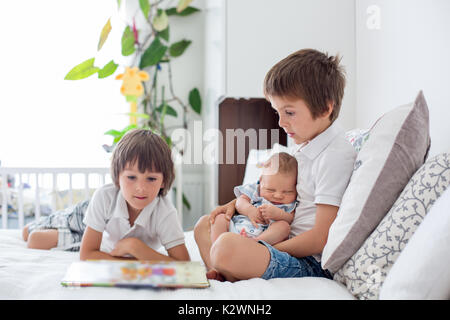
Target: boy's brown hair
<point>309,75</point>
<point>284,162</point>
<point>151,153</point>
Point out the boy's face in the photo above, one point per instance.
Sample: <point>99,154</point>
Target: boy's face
<point>139,189</point>
<point>296,119</point>
<point>278,188</point>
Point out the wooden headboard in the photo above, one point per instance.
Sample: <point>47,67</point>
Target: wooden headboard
<point>255,113</point>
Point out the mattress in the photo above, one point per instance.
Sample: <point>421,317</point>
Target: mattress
<point>36,274</point>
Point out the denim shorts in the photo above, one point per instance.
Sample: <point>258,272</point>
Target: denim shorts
<point>283,265</point>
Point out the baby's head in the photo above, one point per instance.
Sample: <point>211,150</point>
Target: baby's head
<point>144,152</point>
<point>279,179</point>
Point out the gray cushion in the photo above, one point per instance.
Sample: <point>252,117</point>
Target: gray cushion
<point>397,146</point>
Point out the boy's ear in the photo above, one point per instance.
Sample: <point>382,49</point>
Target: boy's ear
<point>330,105</point>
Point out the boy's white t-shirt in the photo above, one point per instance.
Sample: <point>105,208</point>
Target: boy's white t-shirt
<point>156,225</point>
<point>325,165</point>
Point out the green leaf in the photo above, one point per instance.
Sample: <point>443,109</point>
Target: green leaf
<point>128,42</point>
<point>179,47</point>
<point>169,110</point>
<point>107,70</point>
<point>154,53</point>
<point>163,115</point>
<point>104,34</point>
<point>168,141</point>
<point>161,21</point>
<point>82,71</point>
<point>195,101</point>
<point>145,7</point>
<point>128,128</point>
<point>138,115</point>
<point>113,133</point>
<point>186,202</point>
<point>131,98</point>
<point>164,34</point>
<point>183,4</point>
<point>185,12</point>
<point>119,134</point>
<point>117,139</point>
<point>185,199</point>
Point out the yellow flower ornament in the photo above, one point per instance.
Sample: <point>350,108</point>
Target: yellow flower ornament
<point>132,81</point>
<point>132,87</point>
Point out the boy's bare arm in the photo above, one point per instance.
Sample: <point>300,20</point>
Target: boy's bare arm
<point>271,212</point>
<point>179,252</point>
<point>228,209</point>
<point>90,246</point>
<point>141,251</point>
<point>312,241</point>
<point>287,216</point>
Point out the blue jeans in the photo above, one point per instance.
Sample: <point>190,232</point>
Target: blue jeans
<point>283,265</point>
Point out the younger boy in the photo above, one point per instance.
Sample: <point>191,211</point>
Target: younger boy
<point>306,90</point>
<point>127,219</point>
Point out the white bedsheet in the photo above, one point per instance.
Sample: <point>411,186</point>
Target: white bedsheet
<point>36,274</point>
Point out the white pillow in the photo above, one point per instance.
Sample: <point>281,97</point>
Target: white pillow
<point>422,271</point>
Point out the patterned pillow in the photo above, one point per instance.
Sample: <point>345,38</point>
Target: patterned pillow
<point>357,137</point>
<point>366,270</point>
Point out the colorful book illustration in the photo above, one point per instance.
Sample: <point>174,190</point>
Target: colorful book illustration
<point>136,274</point>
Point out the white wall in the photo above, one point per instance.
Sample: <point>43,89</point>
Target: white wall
<point>244,39</point>
<point>262,32</point>
<point>410,51</point>
<point>214,88</point>
<point>45,120</point>
<point>48,121</point>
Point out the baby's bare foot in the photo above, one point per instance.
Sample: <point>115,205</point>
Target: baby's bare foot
<point>214,275</point>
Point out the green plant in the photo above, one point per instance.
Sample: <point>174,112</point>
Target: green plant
<point>152,54</point>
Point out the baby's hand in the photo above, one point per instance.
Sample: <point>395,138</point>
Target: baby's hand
<point>270,212</point>
<point>256,217</point>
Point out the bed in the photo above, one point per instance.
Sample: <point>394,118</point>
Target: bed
<point>36,274</point>
<point>365,272</point>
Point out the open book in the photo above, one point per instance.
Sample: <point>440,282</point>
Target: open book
<point>136,274</point>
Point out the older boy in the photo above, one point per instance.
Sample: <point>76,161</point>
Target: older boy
<point>306,90</point>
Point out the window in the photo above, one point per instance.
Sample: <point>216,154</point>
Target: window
<point>46,120</point>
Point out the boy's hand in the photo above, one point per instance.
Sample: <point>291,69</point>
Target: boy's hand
<point>270,212</point>
<point>227,209</point>
<point>256,217</point>
<point>124,247</point>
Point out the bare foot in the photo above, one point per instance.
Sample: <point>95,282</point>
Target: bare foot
<point>245,235</point>
<point>214,275</point>
<point>25,233</point>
